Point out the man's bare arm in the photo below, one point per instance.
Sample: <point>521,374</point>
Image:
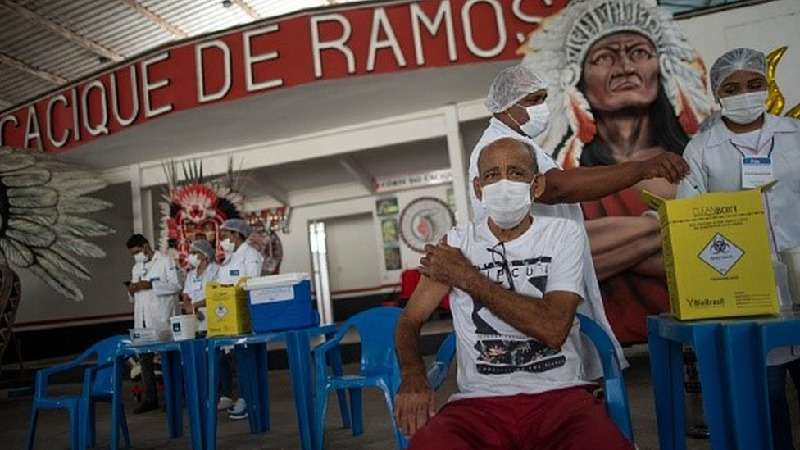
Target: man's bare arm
<point>415,398</point>
<point>584,184</point>
<point>547,320</point>
<point>423,302</point>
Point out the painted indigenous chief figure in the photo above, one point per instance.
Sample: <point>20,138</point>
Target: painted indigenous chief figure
<point>624,86</point>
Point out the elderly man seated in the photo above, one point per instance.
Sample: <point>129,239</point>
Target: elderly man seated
<point>515,282</point>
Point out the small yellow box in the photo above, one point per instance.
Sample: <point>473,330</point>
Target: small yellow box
<point>227,310</point>
<point>717,255</point>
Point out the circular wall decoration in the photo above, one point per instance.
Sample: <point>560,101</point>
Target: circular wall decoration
<point>425,221</point>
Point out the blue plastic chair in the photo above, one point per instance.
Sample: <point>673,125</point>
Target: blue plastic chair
<point>616,395</point>
<point>379,369</point>
<point>437,373</point>
<point>101,382</point>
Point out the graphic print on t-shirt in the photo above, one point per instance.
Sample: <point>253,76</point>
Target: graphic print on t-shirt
<point>500,352</point>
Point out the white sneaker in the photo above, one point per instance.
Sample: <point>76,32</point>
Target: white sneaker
<point>239,410</point>
<point>224,403</point>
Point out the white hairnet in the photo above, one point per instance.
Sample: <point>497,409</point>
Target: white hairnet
<point>737,59</point>
<point>204,247</point>
<point>238,225</point>
<point>488,139</point>
<point>512,85</point>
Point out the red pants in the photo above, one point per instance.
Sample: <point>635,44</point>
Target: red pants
<point>569,419</point>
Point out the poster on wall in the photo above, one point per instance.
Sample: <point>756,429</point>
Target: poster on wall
<point>663,84</point>
<point>389,231</point>
<point>387,210</point>
<point>387,207</point>
<point>391,258</point>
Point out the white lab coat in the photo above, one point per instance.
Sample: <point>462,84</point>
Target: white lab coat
<point>246,261</point>
<point>716,166</point>
<point>195,285</point>
<point>195,288</point>
<point>593,306</point>
<point>152,308</point>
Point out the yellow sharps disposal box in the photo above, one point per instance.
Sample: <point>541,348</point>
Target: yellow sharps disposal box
<point>227,311</point>
<point>717,255</point>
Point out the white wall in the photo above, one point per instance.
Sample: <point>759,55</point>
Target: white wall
<point>765,27</point>
<point>104,294</point>
<point>297,256</point>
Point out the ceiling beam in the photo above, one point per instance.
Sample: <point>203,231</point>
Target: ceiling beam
<point>156,19</point>
<point>278,193</point>
<point>247,9</point>
<point>358,172</point>
<point>60,30</point>
<point>39,73</point>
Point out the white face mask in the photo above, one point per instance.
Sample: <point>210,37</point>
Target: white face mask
<point>508,202</point>
<point>193,260</point>
<point>140,258</point>
<point>744,108</point>
<point>227,246</point>
<point>538,117</point>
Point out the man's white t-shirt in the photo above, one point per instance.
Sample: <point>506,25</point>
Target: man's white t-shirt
<point>494,358</point>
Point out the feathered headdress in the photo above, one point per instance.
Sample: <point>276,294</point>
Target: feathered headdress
<point>556,51</point>
<point>193,205</point>
<point>41,205</point>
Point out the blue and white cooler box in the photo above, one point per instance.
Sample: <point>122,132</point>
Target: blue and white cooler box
<point>280,302</point>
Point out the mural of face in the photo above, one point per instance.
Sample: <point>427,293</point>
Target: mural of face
<point>621,72</point>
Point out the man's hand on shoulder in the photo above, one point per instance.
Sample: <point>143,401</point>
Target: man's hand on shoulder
<point>414,404</point>
<point>446,265</point>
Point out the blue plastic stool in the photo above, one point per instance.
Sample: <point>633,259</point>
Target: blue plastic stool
<point>101,382</point>
<point>746,346</point>
<point>666,337</point>
<point>379,369</point>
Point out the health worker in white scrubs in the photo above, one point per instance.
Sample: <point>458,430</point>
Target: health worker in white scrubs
<point>154,289</point>
<point>202,259</point>
<point>743,148</point>
<point>242,260</point>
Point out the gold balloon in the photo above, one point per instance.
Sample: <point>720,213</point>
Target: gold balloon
<point>794,112</point>
<point>775,101</point>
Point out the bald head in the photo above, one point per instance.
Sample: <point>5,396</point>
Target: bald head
<point>507,158</point>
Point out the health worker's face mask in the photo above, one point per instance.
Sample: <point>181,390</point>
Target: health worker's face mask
<point>538,118</point>
<point>508,202</point>
<point>227,246</point>
<point>744,108</point>
<point>140,258</point>
<point>193,260</point>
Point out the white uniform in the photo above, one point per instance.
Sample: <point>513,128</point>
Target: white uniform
<point>195,288</point>
<point>715,160</point>
<point>246,261</point>
<point>152,308</point>
<point>195,285</point>
<point>593,307</point>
